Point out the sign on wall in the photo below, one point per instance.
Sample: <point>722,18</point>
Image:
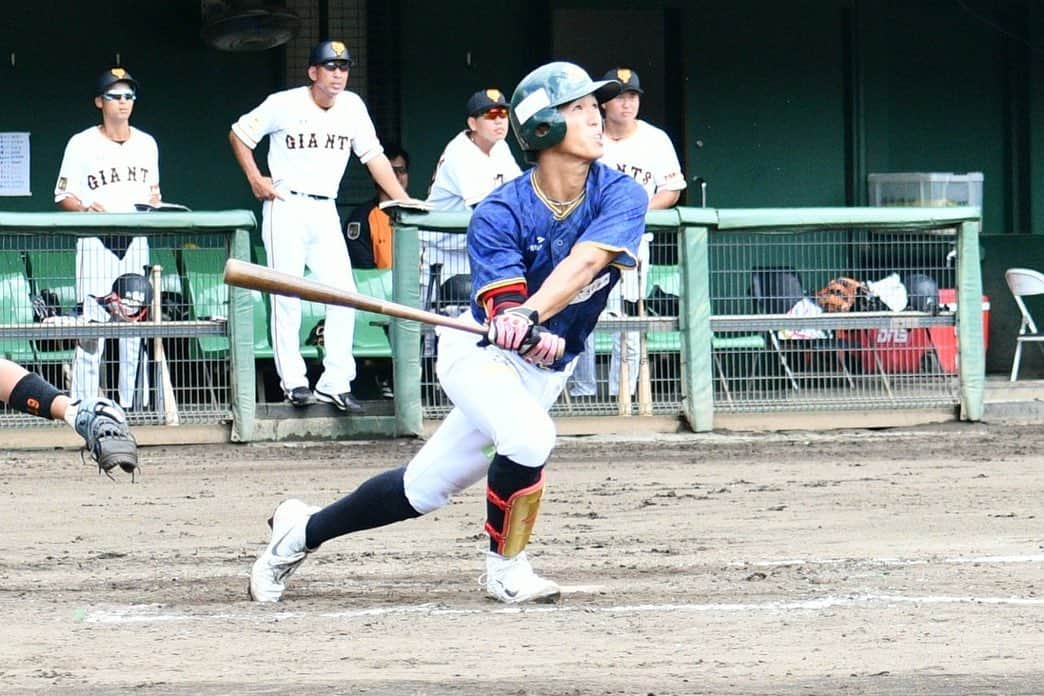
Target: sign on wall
<point>14,164</point>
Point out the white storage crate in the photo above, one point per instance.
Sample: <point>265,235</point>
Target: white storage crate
<point>934,189</point>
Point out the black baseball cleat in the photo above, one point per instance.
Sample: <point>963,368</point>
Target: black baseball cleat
<point>344,401</point>
<point>300,396</point>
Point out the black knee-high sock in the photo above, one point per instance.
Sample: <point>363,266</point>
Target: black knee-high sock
<point>377,502</point>
<point>506,478</point>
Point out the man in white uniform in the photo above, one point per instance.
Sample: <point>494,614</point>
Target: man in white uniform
<point>476,161</point>
<point>109,168</point>
<point>646,154</point>
<point>312,132</point>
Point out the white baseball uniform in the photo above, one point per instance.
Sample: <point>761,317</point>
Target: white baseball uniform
<point>648,157</point>
<point>117,175</point>
<point>463,176</point>
<point>308,151</point>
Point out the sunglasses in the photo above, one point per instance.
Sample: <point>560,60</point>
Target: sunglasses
<point>117,96</point>
<point>333,65</point>
<point>495,113</point>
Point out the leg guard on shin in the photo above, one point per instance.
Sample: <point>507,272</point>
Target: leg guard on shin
<point>513,500</point>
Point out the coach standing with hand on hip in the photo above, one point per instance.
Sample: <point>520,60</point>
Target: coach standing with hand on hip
<point>312,131</point>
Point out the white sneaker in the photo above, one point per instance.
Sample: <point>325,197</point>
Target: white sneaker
<point>284,553</point>
<point>512,581</point>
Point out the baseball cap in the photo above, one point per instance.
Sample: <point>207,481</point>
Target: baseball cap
<point>112,76</point>
<point>627,78</point>
<point>483,101</point>
<point>330,50</point>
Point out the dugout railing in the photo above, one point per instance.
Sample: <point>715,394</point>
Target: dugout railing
<point>714,344</point>
<point>42,318</point>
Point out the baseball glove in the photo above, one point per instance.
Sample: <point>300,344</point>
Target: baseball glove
<point>103,426</point>
<point>839,295</point>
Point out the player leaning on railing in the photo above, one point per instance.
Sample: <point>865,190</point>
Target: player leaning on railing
<point>545,249</point>
<point>100,422</point>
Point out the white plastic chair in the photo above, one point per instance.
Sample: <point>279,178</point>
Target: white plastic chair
<point>1023,282</point>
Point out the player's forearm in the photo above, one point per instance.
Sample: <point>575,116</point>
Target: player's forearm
<point>664,199</point>
<point>384,176</point>
<point>572,275</point>
<point>71,204</point>
<point>244,157</point>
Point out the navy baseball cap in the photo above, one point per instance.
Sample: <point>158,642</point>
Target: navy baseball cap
<point>482,101</point>
<point>112,76</point>
<point>330,50</point>
<point>627,78</point>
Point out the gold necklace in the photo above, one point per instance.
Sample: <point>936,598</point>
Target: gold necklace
<point>560,209</point>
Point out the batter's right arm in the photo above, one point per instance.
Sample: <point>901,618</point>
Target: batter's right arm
<point>262,186</point>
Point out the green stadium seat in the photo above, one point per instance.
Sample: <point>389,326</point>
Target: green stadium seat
<point>55,270</point>
<point>207,294</point>
<point>371,340</point>
<point>15,307</point>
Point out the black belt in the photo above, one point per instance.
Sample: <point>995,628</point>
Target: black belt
<point>312,196</point>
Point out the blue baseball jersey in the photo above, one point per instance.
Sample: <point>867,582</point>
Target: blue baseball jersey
<point>513,237</point>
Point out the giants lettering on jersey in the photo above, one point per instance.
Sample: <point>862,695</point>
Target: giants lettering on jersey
<point>112,176</point>
<point>310,141</point>
<point>642,176</point>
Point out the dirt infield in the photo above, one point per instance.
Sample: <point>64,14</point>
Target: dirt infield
<point>891,562</point>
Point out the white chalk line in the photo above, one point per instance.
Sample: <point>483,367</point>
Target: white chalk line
<point>959,560</point>
<point>146,614</point>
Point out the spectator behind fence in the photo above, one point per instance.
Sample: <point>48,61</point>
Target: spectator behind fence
<point>473,163</point>
<point>110,168</point>
<point>646,154</point>
<point>368,230</point>
<point>312,132</point>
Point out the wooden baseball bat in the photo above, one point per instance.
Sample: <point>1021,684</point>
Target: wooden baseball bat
<point>159,355</point>
<point>623,394</point>
<point>249,275</point>
<point>644,379</point>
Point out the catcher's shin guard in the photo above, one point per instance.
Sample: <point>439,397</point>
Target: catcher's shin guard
<point>511,510</point>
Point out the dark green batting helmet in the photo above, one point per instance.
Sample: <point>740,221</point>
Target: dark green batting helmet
<point>535,118</point>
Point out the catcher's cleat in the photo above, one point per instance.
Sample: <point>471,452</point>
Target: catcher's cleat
<point>512,581</point>
<point>103,426</point>
<point>284,553</point>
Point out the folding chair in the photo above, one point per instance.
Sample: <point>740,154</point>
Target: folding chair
<point>1024,282</point>
<point>777,290</point>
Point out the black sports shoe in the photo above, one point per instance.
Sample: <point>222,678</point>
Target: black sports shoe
<point>300,396</point>
<point>343,401</point>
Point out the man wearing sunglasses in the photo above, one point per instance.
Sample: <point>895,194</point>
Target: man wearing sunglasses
<point>312,132</point>
<point>109,168</point>
<point>476,161</point>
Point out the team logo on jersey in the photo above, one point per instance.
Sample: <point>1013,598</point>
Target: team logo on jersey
<point>337,47</point>
<point>354,230</point>
<point>62,183</point>
<point>118,73</point>
<point>586,293</point>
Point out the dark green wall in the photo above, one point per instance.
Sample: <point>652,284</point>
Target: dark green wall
<point>189,94</point>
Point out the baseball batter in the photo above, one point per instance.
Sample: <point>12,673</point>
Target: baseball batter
<point>545,249</point>
<point>109,168</point>
<point>312,132</point>
<point>474,162</point>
